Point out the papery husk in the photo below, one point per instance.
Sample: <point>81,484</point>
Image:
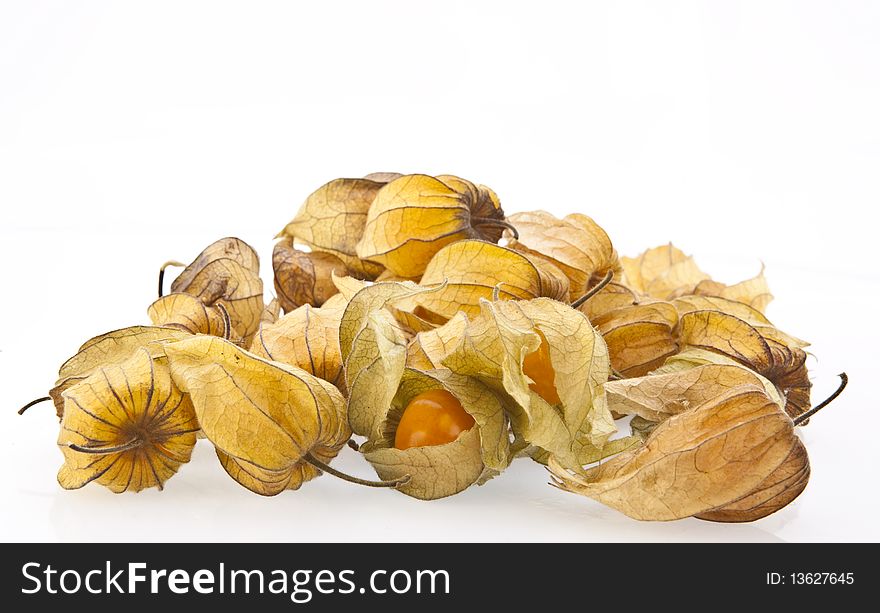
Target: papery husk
<point>304,278</point>
<point>264,418</point>
<point>332,220</point>
<point>437,471</point>
<point>414,216</point>
<point>126,426</point>
<point>110,348</point>
<point>492,350</point>
<point>308,338</point>
<point>576,244</point>
<point>693,462</point>
<point>476,270</point>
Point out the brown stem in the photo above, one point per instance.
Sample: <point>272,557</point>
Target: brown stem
<point>805,416</point>
<point>132,444</point>
<point>328,469</point>
<point>162,274</point>
<point>498,223</point>
<point>353,445</point>
<point>594,290</point>
<point>32,403</point>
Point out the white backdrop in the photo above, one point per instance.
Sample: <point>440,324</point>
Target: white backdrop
<point>132,133</point>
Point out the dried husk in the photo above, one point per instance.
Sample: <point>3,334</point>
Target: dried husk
<point>576,244</point>
<point>414,216</point>
<point>766,350</point>
<point>437,471</point>
<point>665,273</point>
<point>304,278</point>
<point>639,337</point>
<point>110,348</point>
<point>475,270</point>
<point>188,313</point>
<point>229,248</point>
<point>332,219</point>
<point>662,272</point>
<point>307,338</point>
<point>754,292</point>
<point>227,273</point>
<point>492,349</point>
<point>373,349</point>
<point>126,426</point>
<point>660,395</point>
<point>699,460</point>
<point>779,489</point>
<point>264,418</point>
<point>271,312</point>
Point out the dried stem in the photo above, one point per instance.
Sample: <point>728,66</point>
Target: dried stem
<point>327,469</point>
<point>162,274</point>
<point>594,290</point>
<point>32,403</point>
<point>226,322</point>
<point>132,444</point>
<point>498,223</point>
<point>496,292</point>
<point>805,416</point>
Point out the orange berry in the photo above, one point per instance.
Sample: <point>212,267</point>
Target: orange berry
<point>538,368</point>
<point>434,417</point>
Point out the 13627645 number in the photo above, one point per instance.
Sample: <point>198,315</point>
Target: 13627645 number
<point>822,578</point>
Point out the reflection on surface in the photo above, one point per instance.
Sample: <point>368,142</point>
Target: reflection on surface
<point>202,504</point>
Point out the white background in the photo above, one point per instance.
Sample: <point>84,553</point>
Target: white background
<point>132,133</point>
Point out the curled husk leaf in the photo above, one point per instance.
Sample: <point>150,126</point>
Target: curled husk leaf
<point>373,349</point>
<point>685,380</point>
<point>348,286</point>
<point>414,216</point>
<point>754,292</point>
<point>227,272</point>
<point>332,220</point>
<point>404,309</point>
<point>428,348</point>
<point>656,397</point>
<point>264,418</point>
<point>576,244</point>
<point>755,344</point>
<point>476,270</point>
<point>304,278</point>
<point>666,272</point>
<point>698,460</point>
<point>130,425</point>
<point>111,348</point>
<point>188,313</point>
<point>662,272</point>
<point>271,312</point>
<point>493,347</point>
<point>307,338</point>
<point>437,471</point>
<point>229,248</point>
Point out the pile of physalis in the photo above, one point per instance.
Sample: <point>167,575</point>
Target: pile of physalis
<point>450,339</point>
